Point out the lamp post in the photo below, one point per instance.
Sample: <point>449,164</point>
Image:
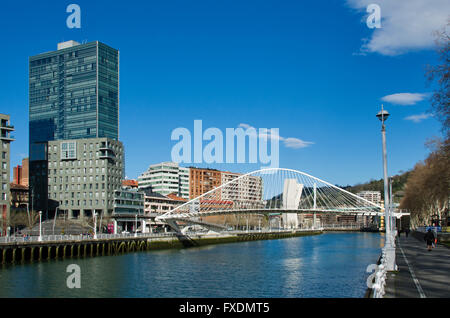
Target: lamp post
<point>393,219</point>
<point>40,226</point>
<point>54,220</point>
<point>135,225</point>
<point>389,247</point>
<point>95,225</point>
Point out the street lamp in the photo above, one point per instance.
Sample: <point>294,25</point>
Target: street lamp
<point>393,219</point>
<point>95,225</point>
<point>40,226</point>
<point>54,220</point>
<point>135,225</point>
<point>389,246</point>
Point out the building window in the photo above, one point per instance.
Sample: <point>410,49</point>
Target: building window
<point>69,150</point>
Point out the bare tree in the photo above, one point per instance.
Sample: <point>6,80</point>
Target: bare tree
<point>441,74</point>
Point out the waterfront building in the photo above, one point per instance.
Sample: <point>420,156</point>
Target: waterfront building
<point>156,204</point>
<point>203,180</point>
<point>83,175</point>
<point>20,173</point>
<point>128,212</point>
<point>166,178</point>
<point>5,139</point>
<point>19,197</point>
<point>73,94</point>
<point>247,191</point>
<point>130,183</point>
<point>372,196</point>
<point>20,216</point>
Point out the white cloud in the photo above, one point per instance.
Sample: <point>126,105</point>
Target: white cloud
<point>404,98</point>
<point>406,25</point>
<point>418,118</point>
<point>296,143</point>
<point>289,142</point>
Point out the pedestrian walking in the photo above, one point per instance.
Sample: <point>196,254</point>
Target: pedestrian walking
<point>407,232</point>
<point>429,238</point>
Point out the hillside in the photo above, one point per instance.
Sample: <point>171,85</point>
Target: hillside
<point>378,185</point>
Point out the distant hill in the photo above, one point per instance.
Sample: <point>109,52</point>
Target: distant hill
<point>398,186</point>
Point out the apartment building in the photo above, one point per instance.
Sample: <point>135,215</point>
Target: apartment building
<point>246,191</point>
<point>203,180</point>
<point>5,139</point>
<point>166,178</point>
<point>83,175</point>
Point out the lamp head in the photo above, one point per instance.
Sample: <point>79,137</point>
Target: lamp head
<point>383,115</point>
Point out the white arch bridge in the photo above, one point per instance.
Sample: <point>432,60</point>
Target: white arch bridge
<point>267,191</point>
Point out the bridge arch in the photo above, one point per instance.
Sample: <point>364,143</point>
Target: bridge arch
<point>273,190</point>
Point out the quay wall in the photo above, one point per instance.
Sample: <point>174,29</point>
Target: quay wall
<point>20,252</point>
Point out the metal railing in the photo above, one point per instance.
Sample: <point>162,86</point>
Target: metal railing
<point>90,237</point>
<point>436,229</point>
<point>378,288</point>
<point>342,226</point>
<point>80,237</point>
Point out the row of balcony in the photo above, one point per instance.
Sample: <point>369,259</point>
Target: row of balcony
<point>5,131</point>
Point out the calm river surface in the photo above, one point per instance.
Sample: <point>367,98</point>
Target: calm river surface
<point>327,265</point>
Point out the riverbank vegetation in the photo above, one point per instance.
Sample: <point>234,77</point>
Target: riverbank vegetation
<point>427,190</point>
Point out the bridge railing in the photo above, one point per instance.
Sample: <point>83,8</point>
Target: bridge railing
<point>378,288</point>
<point>342,226</point>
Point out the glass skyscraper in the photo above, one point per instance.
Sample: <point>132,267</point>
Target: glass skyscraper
<point>73,94</point>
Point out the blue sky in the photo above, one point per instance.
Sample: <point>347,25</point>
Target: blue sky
<point>313,69</point>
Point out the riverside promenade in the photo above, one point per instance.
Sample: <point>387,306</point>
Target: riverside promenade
<point>421,274</point>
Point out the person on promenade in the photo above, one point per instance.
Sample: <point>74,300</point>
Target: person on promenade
<point>429,237</point>
<point>407,232</point>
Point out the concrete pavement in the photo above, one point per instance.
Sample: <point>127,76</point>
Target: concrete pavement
<point>421,274</point>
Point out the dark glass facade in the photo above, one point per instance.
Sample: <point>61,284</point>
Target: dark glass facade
<point>73,94</point>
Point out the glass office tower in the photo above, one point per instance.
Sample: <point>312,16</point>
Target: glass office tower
<point>73,94</point>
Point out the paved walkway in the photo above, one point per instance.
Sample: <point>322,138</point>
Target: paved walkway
<point>421,274</point>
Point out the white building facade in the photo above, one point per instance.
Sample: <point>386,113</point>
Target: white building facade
<point>372,196</point>
<point>166,178</point>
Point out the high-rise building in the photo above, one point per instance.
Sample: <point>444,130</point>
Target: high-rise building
<point>5,139</point>
<point>166,178</point>
<point>73,94</point>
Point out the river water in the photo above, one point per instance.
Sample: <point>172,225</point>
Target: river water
<point>327,265</point>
